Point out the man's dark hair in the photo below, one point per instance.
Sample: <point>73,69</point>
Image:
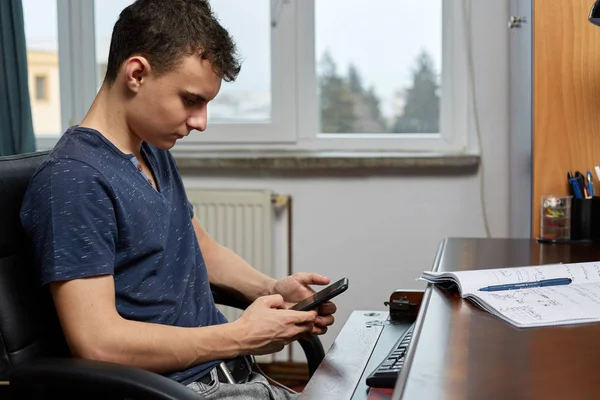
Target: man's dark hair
<point>165,31</point>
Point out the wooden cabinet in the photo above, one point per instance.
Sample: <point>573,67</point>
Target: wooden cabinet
<point>566,97</point>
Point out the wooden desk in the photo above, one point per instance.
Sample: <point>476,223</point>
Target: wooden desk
<point>461,352</point>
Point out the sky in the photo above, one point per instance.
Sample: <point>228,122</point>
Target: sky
<point>381,38</point>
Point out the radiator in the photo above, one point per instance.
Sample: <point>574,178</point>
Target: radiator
<point>245,222</point>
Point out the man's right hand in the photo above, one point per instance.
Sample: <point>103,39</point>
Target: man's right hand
<point>266,326</point>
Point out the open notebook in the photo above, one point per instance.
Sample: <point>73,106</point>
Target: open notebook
<point>577,302</point>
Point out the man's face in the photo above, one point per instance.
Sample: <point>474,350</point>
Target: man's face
<point>166,107</point>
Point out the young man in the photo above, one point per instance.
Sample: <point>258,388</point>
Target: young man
<point>129,266</point>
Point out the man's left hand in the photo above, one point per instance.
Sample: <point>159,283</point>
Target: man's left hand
<point>295,288</point>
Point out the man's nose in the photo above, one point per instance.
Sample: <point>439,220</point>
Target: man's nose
<point>198,120</point>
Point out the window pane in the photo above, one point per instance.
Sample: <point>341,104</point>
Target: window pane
<point>379,65</point>
<point>248,99</point>
<point>41,36</point>
<point>106,13</point>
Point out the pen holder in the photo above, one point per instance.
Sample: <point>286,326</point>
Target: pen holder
<point>585,219</point>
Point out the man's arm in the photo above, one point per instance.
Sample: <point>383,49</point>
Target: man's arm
<point>229,271</point>
<point>94,330</point>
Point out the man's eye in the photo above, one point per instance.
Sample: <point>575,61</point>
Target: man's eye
<point>188,101</point>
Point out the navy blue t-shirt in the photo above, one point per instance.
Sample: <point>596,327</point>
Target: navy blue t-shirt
<point>91,211</point>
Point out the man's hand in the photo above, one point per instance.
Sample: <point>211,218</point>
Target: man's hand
<point>296,288</point>
<point>267,326</point>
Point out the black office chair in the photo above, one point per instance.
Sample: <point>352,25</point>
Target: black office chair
<point>35,362</point>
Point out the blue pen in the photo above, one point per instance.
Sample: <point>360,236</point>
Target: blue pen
<point>574,182</point>
<point>525,285</point>
<point>590,184</point>
<point>581,182</point>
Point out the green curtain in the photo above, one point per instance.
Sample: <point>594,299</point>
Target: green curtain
<point>16,126</point>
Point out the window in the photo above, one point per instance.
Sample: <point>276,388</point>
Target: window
<point>327,75</point>
<point>372,81</point>
<point>381,77</point>
<point>41,90</point>
<point>42,63</point>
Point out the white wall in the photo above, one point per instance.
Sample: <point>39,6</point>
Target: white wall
<point>382,230</point>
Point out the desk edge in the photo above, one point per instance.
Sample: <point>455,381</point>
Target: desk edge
<point>402,378</point>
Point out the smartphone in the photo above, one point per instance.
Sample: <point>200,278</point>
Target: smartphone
<point>321,297</point>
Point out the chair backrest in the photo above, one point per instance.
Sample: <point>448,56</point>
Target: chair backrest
<point>29,327</point>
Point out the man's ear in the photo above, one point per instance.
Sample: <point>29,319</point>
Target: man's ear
<point>137,69</point>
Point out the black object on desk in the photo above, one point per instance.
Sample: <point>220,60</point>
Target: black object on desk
<point>404,304</point>
<point>585,219</point>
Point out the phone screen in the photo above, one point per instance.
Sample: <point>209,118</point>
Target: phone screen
<point>321,297</point>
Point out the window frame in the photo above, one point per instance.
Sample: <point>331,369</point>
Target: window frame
<point>456,103</point>
<point>454,115</point>
<point>294,125</point>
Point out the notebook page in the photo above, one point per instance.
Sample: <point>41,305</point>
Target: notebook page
<point>550,305</point>
<point>472,281</point>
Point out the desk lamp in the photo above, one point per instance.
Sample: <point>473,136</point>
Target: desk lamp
<point>594,16</point>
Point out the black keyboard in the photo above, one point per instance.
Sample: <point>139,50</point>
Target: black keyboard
<point>386,373</point>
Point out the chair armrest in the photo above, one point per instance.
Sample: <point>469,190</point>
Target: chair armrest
<point>313,349</point>
<point>228,299</point>
<point>92,379</point>
<point>312,346</point>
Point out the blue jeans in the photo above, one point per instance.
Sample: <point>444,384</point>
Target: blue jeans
<point>257,387</point>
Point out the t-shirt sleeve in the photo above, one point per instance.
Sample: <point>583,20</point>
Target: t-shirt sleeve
<point>69,215</point>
